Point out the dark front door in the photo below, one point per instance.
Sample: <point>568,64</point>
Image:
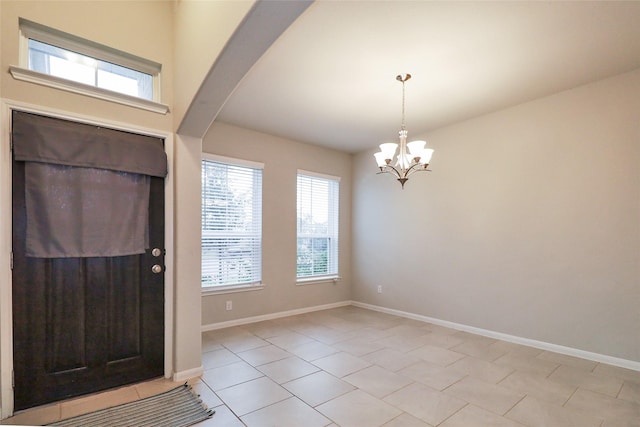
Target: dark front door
<point>82,325</point>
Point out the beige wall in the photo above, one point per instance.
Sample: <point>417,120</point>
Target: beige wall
<point>145,29</point>
<point>202,30</point>
<point>282,158</point>
<point>186,37</point>
<point>528,224</point>
<point>141,28</point>
<point>187,337</point>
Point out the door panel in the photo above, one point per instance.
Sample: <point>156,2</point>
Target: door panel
<point>64,312</point>
<point>85,324</point>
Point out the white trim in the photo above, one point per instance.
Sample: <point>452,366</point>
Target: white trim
<point>232,161</point>
<point>301,281</point>
<point>271,316</point>
<point>169,258</point>
<point>569,351</point>
<point>82,118</point>
<point>250,174</point>
<point>6,322</point>
<point>44,34</point>
<point>230,289</point>
<point>47,80</point>
<point>187,375</point>
<point>318,175</point>
<point>306,192</point>
<point>6,310</point>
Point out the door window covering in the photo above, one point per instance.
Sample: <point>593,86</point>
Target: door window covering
<point>62,142</point>
<point>86,187</point>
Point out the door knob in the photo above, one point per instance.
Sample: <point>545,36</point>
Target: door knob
<point>156,268</point>
<point>156,252</point>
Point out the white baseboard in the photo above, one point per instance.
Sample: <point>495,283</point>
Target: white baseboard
<point>569,351</point>
<point>185,375</point>
<point>271,316</point>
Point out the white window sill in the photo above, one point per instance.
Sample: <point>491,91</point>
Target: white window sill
<point>31,76</point>
<point>317,279</point>
<point>220,290</point>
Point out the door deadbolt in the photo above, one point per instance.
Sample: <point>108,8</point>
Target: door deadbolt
<point>156,252</point>
<point>156,268</point>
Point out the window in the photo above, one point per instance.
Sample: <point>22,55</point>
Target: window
<point>317,218</point>
<point>231,223</point>
<point>67,62</point>
<point>59,62</point>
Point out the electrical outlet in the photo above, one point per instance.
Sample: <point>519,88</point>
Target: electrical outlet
<point>229,305</point>
<point>379,289</point>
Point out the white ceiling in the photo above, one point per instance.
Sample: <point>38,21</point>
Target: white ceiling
<point>330,78</point>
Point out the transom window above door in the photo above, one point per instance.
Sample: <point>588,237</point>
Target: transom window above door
<point>64,61</point>
<point>60,62</point>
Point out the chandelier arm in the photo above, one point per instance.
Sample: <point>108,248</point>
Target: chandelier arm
<point>415,168</point>
<point>390,169</point>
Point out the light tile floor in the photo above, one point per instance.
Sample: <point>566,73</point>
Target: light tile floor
<point>355,367</point>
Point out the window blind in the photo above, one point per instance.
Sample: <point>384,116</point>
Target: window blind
<point>231,224</point>
<point>317,219</point>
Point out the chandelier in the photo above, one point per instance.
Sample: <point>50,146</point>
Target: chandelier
<point>413,156</point>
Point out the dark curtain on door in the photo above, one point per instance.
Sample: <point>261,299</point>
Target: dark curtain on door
<point>87,187</point>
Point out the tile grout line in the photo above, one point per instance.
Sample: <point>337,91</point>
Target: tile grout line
<point>445,420</point>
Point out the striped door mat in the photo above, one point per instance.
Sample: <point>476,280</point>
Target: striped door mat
<point>179,407</point>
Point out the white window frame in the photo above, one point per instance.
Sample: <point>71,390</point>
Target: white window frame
<point>333,232</point>
<point>243,287</point>
<point>41,33</point>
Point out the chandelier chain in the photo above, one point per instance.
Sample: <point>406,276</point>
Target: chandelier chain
<point>403,105</point>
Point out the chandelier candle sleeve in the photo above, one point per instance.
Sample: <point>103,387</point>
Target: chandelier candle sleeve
<point>412,157</point>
